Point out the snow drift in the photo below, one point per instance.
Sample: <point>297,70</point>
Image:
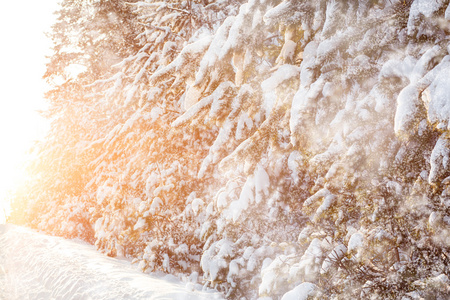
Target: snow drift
<point>37,266</point>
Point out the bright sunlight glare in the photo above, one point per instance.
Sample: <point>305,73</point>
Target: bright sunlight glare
<point>22,54</point>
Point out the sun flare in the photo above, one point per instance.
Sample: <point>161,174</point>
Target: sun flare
<point>22,59</point>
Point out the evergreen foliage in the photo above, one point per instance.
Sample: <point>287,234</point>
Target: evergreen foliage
<point>265,148</point>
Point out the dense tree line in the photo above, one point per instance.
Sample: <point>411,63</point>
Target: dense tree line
<point>264,148</point>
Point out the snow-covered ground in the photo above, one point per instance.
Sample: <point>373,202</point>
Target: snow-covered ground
<point>38,266</point>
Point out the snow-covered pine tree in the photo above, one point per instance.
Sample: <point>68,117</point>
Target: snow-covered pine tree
<point>146,192</point>
<point>86,42</point>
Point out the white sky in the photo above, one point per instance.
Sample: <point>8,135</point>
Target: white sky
<point>22,63</point>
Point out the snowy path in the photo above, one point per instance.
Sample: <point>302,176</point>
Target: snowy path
<point>37,266</point>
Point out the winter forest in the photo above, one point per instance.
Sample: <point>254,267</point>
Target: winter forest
<point>272,149</point>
